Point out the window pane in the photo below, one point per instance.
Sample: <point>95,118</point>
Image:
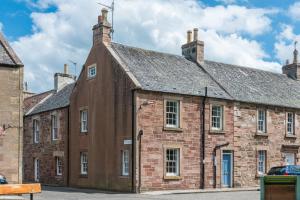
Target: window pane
<point>217,117</point>
<point>172,162</point>
<point>261,121</point>
<point>172,114</point>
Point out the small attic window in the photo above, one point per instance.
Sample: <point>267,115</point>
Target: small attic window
<point>92,71</point>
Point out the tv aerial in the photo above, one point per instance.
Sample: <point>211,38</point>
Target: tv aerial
<point>112,8</point>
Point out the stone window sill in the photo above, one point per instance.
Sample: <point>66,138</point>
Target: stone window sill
<point>172,178</point>
<point>261,134</point>
<point>172,129</point>
<point>288,136</point>
<point>259,175</point>
<point>212,131</point>
<point>83,176</point>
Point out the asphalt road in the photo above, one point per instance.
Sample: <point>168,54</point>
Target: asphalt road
<point>58,193</point>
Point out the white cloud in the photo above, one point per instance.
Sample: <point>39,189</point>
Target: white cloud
<point>284,46</point>
<point>294,11</point>
<point>157,24</point>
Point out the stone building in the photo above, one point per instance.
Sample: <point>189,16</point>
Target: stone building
<point>143,120</point>
<point>46,129</point>
<point>11,113</point>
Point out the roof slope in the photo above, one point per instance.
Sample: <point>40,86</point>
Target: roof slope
<point>255,86</point>
<point>7,55</point>
<point>163,72</point>
<point>32,101</point>
<point>174,74</point>
<point>54,101</point>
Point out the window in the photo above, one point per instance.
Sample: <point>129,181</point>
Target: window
<point>289,158</point>
<point>83,163</point>
<point>92,71</point>
<point>54,129</point>
<point>36,131</point>
<point>290,123</point>
<point>36,169</point>
<point>217,117</point>
<point>172,114</point>
<point>172,162</point>
<point>261,162</point>
<point>58,161</point>
<point>84,121</point>
<point>125,163</point>
<point>261,121</point>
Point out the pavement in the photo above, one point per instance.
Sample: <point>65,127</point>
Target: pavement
<point>60,193</point>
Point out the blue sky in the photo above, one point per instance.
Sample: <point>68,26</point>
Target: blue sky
<point>48,33</point>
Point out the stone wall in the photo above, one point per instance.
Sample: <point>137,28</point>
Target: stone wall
<point>11,115</point>
<point>47,149</point>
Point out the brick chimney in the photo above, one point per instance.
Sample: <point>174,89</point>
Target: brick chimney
<point>292,70</point>
<point>63,79</point>
<point>193,50</point>
<point>102,30</point>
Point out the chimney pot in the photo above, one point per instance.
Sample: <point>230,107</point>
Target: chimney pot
<point>104,14</point>
<point>189,36</point>
<point>66,69</point>
<point>195,34</point>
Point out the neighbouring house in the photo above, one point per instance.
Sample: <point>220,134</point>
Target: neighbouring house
<point>11,113</point>
<point>46,132</point>
<point>142,120</point>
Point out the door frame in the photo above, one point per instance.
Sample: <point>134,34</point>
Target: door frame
<point>227,152</point>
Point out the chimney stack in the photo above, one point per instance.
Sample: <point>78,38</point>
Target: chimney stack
<point>292,70</point>
<point>193,50</point>
<point>63,79</point>
<point>102,30</point>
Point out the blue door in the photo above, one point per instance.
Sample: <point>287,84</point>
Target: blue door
<point>226,170</point>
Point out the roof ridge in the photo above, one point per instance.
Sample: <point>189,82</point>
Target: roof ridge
<point>149,50</point>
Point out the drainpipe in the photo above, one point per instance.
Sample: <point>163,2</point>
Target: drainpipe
<point>133,117</point>
<point>140,156</point>
<point>202,142</point>
<point>68,148</point>
<point>214,161</point>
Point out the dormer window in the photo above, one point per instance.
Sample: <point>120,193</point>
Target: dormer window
<point>92,71</point>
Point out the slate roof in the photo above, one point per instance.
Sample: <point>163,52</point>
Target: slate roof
<point>54,101</point>
<point>163,72</point>
<point>7,55</point>
<point>255,86</point>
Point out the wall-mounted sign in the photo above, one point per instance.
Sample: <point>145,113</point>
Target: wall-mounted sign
<point>127,141</point>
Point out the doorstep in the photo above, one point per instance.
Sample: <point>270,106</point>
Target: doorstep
<point>162,192</point>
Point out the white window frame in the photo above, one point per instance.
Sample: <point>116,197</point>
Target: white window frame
<point>286,155</point>
<point>172,163</point>
<point>59,166</point>
<point>83,163</point>
<point>262,128</point>
<point>125,163</point>
<point>172,115</point>
<point>54,127</point>
<point>217,118</point>
<point>261,164</point>
<point>92,71</point>
<point>84,121</point>
<point>36,131</point>
<point>290,125</point>
<point>36,169</point>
